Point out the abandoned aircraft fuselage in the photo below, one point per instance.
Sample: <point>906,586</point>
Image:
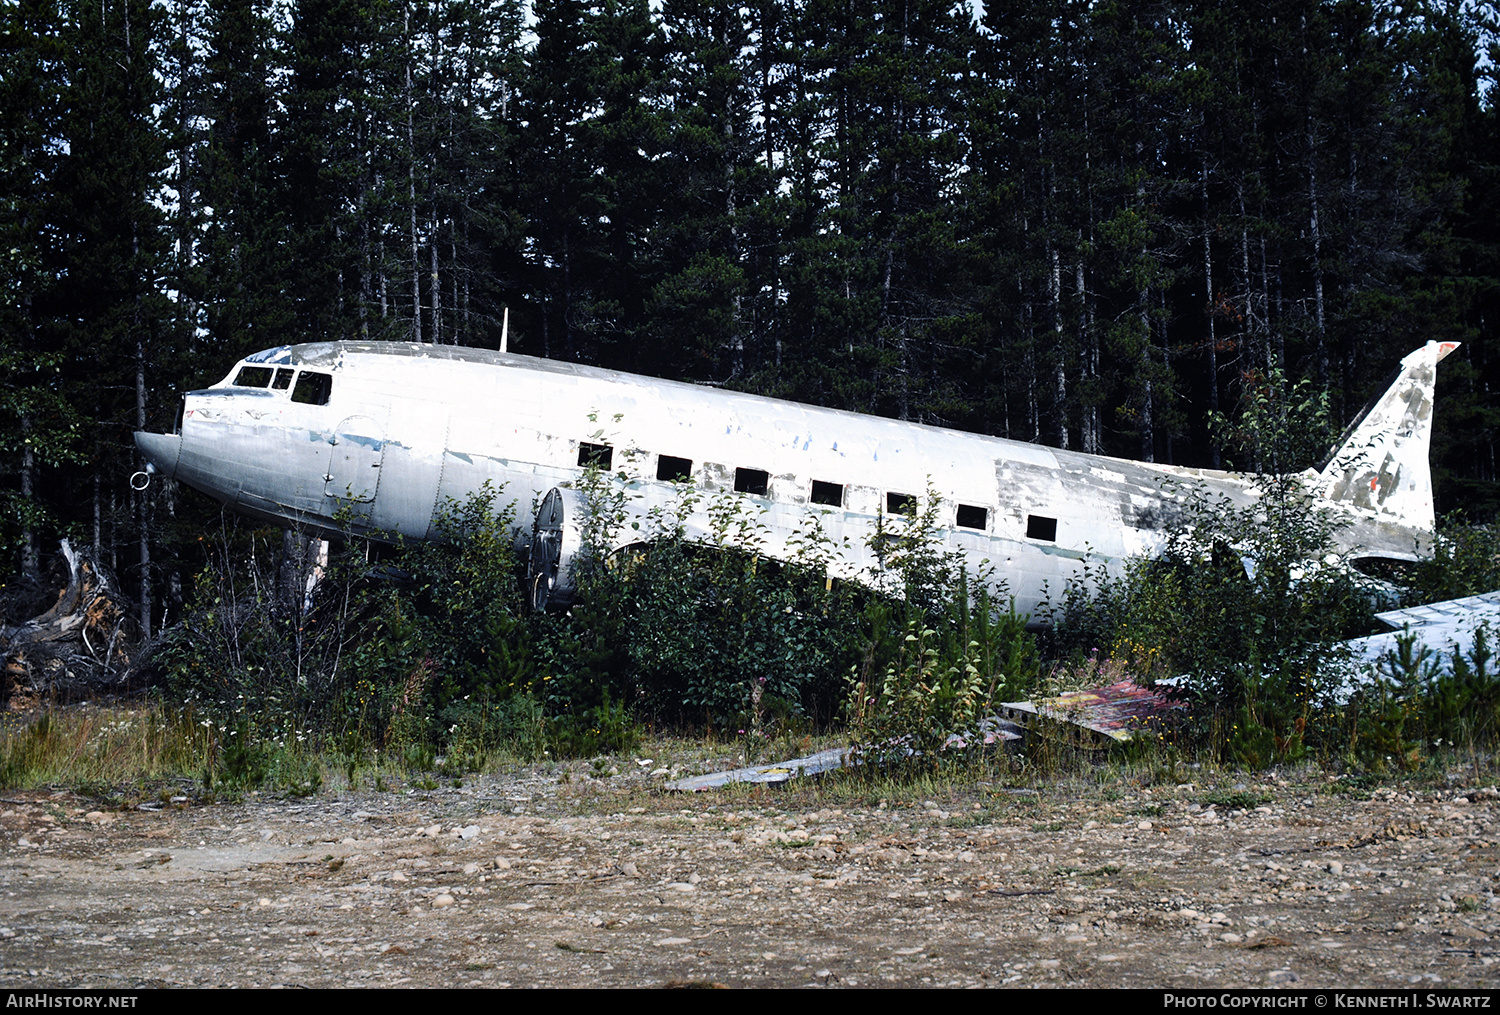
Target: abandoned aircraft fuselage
<point>383,436</point>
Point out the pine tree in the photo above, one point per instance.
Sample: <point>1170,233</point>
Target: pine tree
<point>105,316</point>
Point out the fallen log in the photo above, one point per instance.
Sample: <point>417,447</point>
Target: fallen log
<point>80,647</point>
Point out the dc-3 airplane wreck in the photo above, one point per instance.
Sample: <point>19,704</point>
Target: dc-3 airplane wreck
<point>381,436</point>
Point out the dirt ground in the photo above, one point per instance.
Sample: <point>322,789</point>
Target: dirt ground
<point>551,876</point>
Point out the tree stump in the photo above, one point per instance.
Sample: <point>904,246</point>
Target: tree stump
<point>79,648</point>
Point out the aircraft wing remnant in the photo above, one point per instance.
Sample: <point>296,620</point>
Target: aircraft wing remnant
<point>779,772</point>
<point>1115,713</point>
<point>1443,629</point>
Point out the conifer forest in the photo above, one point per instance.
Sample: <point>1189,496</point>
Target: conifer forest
<point>1094,225</point>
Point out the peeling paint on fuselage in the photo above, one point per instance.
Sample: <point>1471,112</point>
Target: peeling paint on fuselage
<point>437,423</point>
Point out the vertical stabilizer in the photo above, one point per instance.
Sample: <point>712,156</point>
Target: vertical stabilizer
<point>1381,466</point>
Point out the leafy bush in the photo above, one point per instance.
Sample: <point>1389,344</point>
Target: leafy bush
<point>684,633</point>
<point>428,650</point>
<point>1465,561</point>
<point>1251,604</point>
<point>904,719</point>
<point>937,656</point>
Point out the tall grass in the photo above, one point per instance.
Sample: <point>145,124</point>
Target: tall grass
<point>104,747</point>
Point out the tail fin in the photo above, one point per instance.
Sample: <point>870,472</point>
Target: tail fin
<point>1381,465</point>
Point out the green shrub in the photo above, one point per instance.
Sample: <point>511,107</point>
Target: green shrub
<point>903,720</point>
<point>607,728</point>
<point>1465,561</point>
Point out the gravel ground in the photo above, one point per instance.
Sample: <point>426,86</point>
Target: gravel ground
<point>549,876</point>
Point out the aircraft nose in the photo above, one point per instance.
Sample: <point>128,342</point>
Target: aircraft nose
<point>161,450</point>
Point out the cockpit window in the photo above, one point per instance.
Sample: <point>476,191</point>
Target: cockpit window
<point>313,388</point>
<point>253,377</point>
<point>283,379</point>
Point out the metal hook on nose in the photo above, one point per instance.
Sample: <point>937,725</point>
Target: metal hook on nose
<point>141,480</point>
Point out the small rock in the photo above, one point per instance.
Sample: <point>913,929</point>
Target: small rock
<point>442,901</point>
<point>468,831</point>
<point>630,870</point>
<point>1144,826</point>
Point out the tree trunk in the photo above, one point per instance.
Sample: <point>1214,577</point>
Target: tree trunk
<point>1317,259</point>
<point>411,184</point>
<point>1211,307</point>
<point>31,561</point>
<point>143,499</point>
<point>1060,406</point>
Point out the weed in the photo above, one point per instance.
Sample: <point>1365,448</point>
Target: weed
<point>1243,800</point>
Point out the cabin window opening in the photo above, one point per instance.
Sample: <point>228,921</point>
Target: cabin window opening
<point>1038,527</point>
<point>253,377</point>
<point>313,388</point>
<point>831,494</point>
<point>283,378</point>
<point>673,470</point>
<point>755,481</point>
<point>971,517</point>
<point>595,456</point>
<point>901,504</point>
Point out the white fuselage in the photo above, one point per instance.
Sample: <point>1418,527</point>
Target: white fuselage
<point>381,437</point>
